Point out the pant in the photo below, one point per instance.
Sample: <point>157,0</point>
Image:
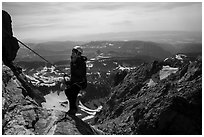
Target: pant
<point>71,92</point>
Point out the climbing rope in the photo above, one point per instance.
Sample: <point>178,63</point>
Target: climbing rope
<point>34,52</point>
<point>40,56</point>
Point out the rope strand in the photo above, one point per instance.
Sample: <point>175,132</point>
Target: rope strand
<point>34,51</point>
<point>40,56</point>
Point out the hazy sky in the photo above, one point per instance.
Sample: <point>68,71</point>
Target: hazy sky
<point>64,21</point>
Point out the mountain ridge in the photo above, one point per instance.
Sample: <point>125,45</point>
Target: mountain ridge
<point>57,50</point>
<point>142,104</point>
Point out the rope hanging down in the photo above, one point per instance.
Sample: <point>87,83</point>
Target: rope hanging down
<point>40,56</point>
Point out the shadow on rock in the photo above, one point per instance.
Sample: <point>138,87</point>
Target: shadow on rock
<point>82,127</point>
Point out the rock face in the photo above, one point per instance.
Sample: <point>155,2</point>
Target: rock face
<point>22,114</point>
<point>170,106</point>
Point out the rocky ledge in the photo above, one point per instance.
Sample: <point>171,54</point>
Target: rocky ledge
<point>22,113</point>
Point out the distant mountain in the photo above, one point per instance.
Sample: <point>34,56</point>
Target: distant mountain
<point>168,47</point>
<point>58,51</point>
<point>127,48</point>
<point>189,47</point>
<point>52,51</point>
<point>183,47</point>
<point>57,45</point>
<point>170,37</point>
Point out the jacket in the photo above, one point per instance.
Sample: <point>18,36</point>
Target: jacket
<point>78,72</point>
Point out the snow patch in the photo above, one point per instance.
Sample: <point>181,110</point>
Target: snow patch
<point>108,73</point>
<point>166,59</point>
<point>151,83</point>
<point>180,56</point>
<point>99,57</point>
<point>91,112</point>
<point>88,117</point>
<point>89,65</point>
<point>104,64</point>
<point>46,77</point>
<point>166,71</point>
<point>52,101</point>
<point>88,109</point>
<point>124,68</point>
<point>154,80</point>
